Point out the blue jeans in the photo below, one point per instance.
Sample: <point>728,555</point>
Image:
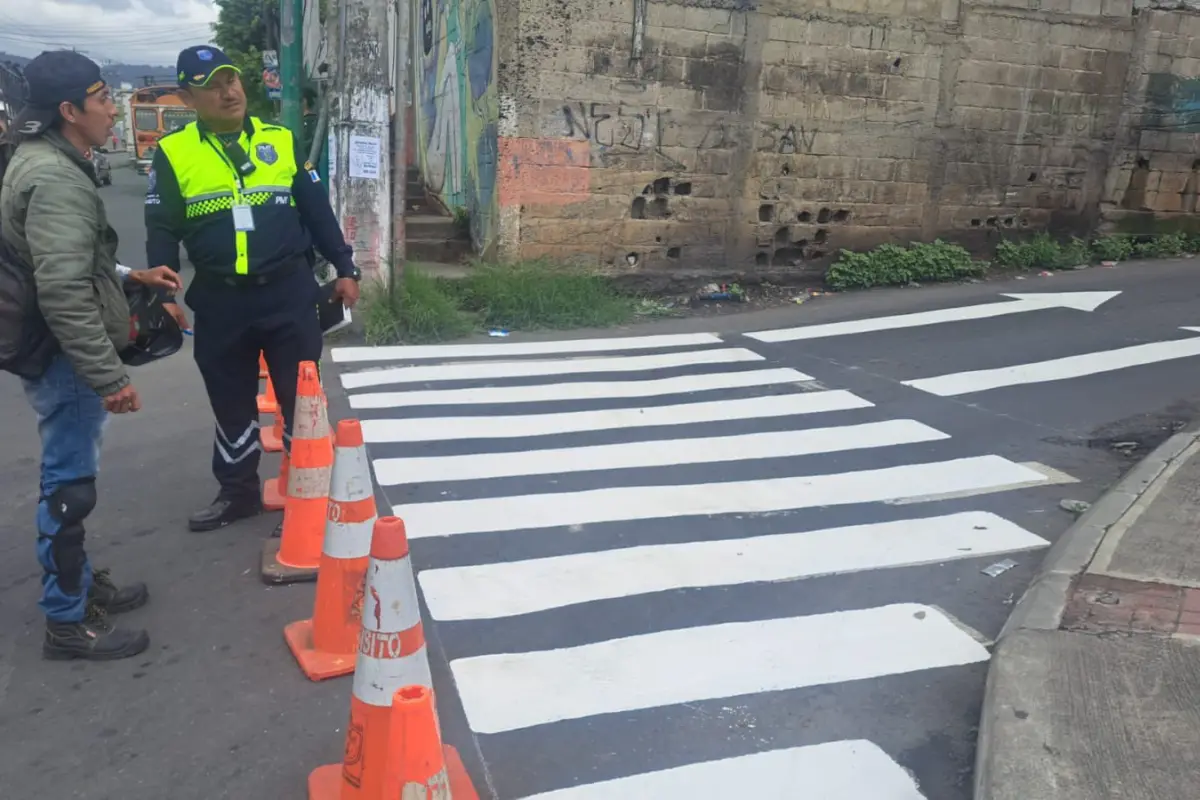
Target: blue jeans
<point>71,420</point>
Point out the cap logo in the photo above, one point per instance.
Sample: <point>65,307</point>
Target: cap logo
<point>95,87</point>
<point>199,77</point>
<point>204,55</point>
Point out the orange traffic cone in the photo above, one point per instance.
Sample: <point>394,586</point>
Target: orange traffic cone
<point>325,645</point>
<point>296,554</point>
<point>418,764</point>
<point>262,366</point>
<point>274,494</point>
<point>272,437</point>
<point>267,404</point>
<point>391,659</point>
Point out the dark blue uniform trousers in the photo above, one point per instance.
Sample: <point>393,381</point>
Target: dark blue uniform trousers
<point>232,324</point>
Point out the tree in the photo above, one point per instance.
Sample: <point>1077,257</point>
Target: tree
<point>244,28</point>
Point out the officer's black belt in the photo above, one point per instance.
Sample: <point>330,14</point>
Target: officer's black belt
<point>248,281</point>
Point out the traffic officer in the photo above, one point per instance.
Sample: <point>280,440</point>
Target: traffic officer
<point>236,192</point>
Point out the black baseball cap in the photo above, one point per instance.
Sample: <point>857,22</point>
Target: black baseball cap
<point>196,65</point>
<point>53,78</point>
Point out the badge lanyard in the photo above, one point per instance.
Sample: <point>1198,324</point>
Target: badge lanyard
<point>243,213</point>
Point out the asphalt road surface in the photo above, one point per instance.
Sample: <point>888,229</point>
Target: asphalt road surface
<point>850,646</point>
<point>768,563</point>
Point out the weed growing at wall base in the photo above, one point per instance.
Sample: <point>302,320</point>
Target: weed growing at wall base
<point>521,296</point>
<point>892,265</point>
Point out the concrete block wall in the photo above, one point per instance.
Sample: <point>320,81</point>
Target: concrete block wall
<point>1154,182</point>
<point>667,136</point>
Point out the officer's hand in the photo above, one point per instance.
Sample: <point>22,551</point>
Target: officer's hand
<point>158,278</point>
<point>179,315</point>
<point>123,401</point>
<point>346,290</point>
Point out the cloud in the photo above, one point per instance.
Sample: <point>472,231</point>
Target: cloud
<point>125,31</point>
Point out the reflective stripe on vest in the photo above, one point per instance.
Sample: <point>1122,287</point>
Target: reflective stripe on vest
<point>209,183</point>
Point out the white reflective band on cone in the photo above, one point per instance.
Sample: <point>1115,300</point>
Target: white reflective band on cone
<point>390,605</point>
<point>308,483</point>
<point>352,475</point>
<point>311,421</point>
<point>390,610</point>
<point>348,539</point>
<point>377,679</point>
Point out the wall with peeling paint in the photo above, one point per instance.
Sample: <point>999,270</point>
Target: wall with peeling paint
<point>456,110</point>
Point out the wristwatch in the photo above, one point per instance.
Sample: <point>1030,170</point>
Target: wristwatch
<point>355,274</point>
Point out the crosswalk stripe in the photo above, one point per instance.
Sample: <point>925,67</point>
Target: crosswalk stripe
<point>493,591</point>
<point>510,691</point>
<point>343,355</point>
<point>559,366</point>
<point>845,770</point>
<point>575,509</point>
<point>593,390</point>
<point>630,455</point>
<point>1057,369</point>
<point>435,429</point>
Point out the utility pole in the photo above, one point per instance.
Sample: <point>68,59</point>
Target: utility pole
<point>360,185</point>
<point>291,66</point>
<point>401,95</point>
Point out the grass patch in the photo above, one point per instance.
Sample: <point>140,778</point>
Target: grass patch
<point>892,265</point>
<point>521,296</point>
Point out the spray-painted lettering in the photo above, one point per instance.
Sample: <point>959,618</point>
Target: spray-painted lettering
<point>377,644</point>
<point>786,139</point>
<point>618,129</point>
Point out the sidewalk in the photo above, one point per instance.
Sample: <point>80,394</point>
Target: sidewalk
<point>1094,686</point>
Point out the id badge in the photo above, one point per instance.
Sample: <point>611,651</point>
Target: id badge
<point>243,218</point>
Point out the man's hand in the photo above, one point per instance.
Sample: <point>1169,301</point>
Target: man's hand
<point>123,401</point>
<point>179,315</point>
<point>158,278</point>
<point>346,290</point>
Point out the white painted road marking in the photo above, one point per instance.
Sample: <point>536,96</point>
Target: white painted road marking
<point>1058,369</point>
<point>630,455</point>
<point>440,429</point>
<point>511,691</point>
<point>450,518</point>
<point>846,770</point>
<point>466,371</point>
<point>597,390</point>
<point>1082,301</point>
<point>343,355</point>
<point>492,591</point>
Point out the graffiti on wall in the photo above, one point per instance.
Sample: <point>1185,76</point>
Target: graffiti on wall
<point>1172,103</point>
<point>456,107</point>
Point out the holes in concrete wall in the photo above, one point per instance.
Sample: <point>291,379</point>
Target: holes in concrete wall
<point>638,209</point>
<point>1032,177</point>
<point>683,188</point>
<point>648,189</point>
<point>822,236</point>
<point>823,216</point>
<point>766,212</point>
<point>762,259</point>
<point>975,223</point>
<point>657,209</point>
<point>785,170</point>
<point>674,252</point>
<point>788,255</point>
<point>1143,163</point>
<point>992,222</point>
<point>804,216</point>
<point>841,215</point>
<point>1008,222</point>
<point>662,185</point>
<point>782,236</point>
<point>632,259</point>
<point>896,63</point>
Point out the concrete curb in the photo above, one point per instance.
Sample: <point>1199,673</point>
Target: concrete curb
<point>1041,606</point>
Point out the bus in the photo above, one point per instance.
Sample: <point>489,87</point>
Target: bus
<point>155,111</point>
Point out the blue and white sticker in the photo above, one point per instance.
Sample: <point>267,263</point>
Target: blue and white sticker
<point>204,55</point>
<point>266,153</point>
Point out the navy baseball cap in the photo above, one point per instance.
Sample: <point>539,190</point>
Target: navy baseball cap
<point>196,65</point>
<point>53,78</point>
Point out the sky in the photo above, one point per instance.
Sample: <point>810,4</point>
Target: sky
<point>126,31</point>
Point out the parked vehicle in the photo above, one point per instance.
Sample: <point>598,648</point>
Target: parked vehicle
<point>103,168</point>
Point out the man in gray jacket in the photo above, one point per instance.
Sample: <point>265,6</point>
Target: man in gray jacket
<point>51,214</point>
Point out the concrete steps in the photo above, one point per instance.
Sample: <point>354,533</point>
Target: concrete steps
<point>430,235</point>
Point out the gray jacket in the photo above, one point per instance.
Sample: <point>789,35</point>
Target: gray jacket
<point>52,215</point>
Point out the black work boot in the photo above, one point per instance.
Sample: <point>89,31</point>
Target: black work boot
<point>223,511</point>
<point>115,599</point>
<point>94,639</point>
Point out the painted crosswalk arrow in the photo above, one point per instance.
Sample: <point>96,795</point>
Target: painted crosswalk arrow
<point>1080,301</point>
<point>1058,369</point>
